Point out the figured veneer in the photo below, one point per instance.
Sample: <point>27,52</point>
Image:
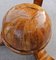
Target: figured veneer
<point>26,29</point>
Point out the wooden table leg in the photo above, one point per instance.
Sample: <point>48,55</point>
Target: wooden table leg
<point>42,55</point>
<point>1,42</point>
<point>38,2</point>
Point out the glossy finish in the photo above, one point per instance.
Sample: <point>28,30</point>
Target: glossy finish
<point>42,55</point>
<point>26,28</point>
<point>38,2</point>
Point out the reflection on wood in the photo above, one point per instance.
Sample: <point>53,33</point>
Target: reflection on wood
<point>42,55</point>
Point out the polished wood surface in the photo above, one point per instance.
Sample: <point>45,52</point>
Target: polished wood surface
<point>27,28</point>
<point>42,55</point>
<point>38,2</point>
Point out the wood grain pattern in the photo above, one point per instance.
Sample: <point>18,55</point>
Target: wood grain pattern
<point>26,27</point>
<point>42,55</point>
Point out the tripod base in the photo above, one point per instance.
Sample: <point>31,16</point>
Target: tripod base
<point>42,55</point>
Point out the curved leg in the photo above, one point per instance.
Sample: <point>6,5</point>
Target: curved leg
<point>42,55</point>
<point>1,42</point>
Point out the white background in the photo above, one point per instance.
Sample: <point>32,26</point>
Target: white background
<point>50,7</point>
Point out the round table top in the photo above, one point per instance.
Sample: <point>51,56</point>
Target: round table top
<point>49,6</point>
